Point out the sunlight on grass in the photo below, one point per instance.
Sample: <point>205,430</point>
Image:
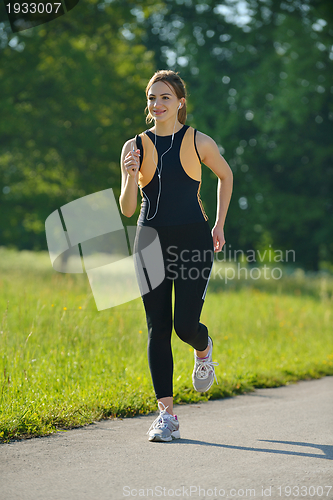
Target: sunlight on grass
<point>64,364</point>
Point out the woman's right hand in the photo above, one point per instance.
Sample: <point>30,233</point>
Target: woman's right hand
<point>132,162</point>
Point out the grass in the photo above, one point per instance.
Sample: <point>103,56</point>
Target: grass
<point>64,364</point>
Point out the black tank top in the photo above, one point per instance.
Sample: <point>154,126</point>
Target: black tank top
<point>179,200</point>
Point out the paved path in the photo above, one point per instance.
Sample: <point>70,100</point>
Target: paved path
<point>251,446</point>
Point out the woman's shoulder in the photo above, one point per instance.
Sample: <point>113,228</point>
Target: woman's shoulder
<point>128,145</point>
<point>130,142</point>
<point>204,140</point>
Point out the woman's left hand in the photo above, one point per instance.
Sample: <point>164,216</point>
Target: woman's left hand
<point>218,238</point>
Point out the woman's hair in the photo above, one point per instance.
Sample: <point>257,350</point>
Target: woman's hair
<point>172,79</point>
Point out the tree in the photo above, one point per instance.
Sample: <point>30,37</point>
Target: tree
<point>259,84</point>
<point>69,101</point>
<point>261,90</point>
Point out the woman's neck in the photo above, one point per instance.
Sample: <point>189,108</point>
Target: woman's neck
<point>166,128</point>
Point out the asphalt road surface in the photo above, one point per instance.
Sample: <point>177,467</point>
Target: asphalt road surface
<point>272,443</point>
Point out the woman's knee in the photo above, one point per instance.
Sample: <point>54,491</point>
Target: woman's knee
<point>186,330</point>
<point>160,331</point>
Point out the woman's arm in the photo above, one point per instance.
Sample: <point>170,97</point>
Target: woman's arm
<point>210,156</point>
<point>129,162</point>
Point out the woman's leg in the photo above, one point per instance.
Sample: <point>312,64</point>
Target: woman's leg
<point>168,404</point>
<point>158,308</point>
<point>195,260</point>
<point>196,256</point>
<point>202,354</point>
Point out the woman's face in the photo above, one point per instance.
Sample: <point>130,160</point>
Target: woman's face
<point>162,101</point>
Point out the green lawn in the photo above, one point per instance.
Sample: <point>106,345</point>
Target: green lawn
<point>63,363</point>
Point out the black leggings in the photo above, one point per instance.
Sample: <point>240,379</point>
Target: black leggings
<point>188,255</point>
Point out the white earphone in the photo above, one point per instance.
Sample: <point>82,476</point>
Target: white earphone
<point>159,172</point>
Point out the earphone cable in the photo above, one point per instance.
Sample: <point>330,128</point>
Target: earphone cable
<point>159,173</point>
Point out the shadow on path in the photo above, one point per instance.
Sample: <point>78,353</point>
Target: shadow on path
<point>328,450</point>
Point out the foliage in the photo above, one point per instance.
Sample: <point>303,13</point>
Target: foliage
<point>263,91</point>
<point>64,364</point>
<point>259,84</point>
<point>69,101</point>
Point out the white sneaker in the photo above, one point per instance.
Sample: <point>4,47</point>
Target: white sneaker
<point>204,372</point>
<point>165,427</point>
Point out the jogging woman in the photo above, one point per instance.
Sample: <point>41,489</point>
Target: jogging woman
<point>165,163</point>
